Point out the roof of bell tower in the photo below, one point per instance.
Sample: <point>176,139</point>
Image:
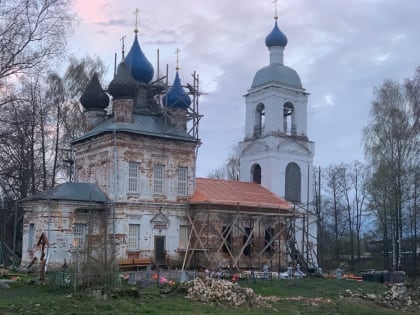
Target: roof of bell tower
<point>277,73</point>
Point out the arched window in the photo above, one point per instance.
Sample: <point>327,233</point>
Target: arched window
<point>256,173</point>
<point>293,179</point>
<point>289,125</point>
<point>259,120</point>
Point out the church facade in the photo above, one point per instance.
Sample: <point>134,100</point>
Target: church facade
<point>135,195</point>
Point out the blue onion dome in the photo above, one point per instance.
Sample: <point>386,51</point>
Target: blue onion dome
<point>140,68</point>
<point>94,97</point>
<point>276,38</point>
<point>123,85</point>
<point>176,96</point>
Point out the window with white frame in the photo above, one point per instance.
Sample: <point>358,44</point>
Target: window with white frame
<point>79,235</point>
<point>133,177</point>
<point>133,237</point>
<point>183,236</point>
<point>31,235</point>
<point>182,181</point>
<point>159,178</point>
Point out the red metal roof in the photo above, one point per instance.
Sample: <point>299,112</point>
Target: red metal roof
<point>223,192</point>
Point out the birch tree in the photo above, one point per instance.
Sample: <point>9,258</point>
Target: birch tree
<point>391,144</point>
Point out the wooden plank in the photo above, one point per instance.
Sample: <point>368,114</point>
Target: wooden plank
<point>125,262</point>
<point>142,261</point>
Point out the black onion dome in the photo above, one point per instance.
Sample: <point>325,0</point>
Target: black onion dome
<point>94,96</point>
<point>123,85</point>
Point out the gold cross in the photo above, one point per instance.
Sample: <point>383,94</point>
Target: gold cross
<point>177,51</point>
<point>122,46</point>
<point>275,9</point>
<point>136,12</point>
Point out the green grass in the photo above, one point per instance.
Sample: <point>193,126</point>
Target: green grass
<point>35,299</point>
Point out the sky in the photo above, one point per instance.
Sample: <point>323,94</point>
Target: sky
<point>341,50</point>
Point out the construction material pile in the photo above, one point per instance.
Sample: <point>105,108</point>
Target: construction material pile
<point>222,292</point>
<point>397,297</point>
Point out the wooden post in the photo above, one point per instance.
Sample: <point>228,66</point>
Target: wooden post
<point>43,241</point>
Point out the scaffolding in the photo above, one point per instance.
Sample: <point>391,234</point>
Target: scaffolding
<point>248,238</point>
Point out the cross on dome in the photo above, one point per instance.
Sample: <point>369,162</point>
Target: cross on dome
<point>136,12</point>
<point>177,51</point>
<point>275,9</point>
<point>123,46</point>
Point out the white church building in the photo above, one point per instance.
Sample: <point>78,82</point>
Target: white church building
<point>136,200</point>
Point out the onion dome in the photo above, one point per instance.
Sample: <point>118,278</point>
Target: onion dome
<point>123,85</point>
<point>276,38</point>
<point>176,96</point>
<point>94,97</point>
<point>140,68</point>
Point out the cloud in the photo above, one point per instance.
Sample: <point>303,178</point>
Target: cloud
<point>340,51</point>
<point>112,22</point>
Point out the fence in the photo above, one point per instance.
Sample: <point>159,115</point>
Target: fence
<point>77,281</point>
<point>148,277</point>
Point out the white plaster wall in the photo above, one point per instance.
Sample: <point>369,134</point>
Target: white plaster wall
<point>98,161</point>
<point>56,220</point>
<point>146,215</point>
<point>273,154</point>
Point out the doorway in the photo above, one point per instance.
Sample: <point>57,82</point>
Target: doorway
<point>160,249</point>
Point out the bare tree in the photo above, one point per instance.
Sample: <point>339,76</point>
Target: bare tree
<point>358,180</point>
<point>230,170</point>
<point>391,145</point>
<point>412,87</point>
<point>346,190</point>
<point>334,205</point>
<point>32,32</point>
<point>20,144</point>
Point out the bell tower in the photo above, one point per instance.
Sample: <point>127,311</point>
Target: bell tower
<point>276,151</point>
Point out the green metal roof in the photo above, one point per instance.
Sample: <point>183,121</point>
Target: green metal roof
<point>149,125</point>
<point>71,191</point>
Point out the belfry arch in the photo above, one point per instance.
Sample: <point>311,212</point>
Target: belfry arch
<point>259,120</point>
<point>289,121</point>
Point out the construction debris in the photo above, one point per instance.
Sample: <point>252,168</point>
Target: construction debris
<point>397,297</point>
<point>222,292</point>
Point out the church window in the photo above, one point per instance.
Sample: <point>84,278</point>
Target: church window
<point>256,173</point>
<point>259,120</point>
<point>133,177</point>
<point>79,235</point>
<point>183,236</point>
<point>159,179</point>
<point>31,235</point>
<point>133,237</point>
<point>289,125</point>
<point>293,179</point>
<point>182,181</point>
